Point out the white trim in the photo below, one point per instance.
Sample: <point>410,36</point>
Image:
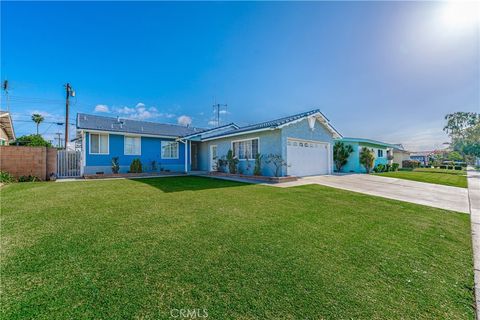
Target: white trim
<point>258,146</point>
<point>90,144</point>
<point>161,150</point>
<point>190,147</point>
<point>186,154</point>
<point>239,133</point>
<point>132,154</point>
<point>83,160</point>
<point>317,115</point>
<point>129,134</point>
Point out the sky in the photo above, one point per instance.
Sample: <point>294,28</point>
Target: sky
<point>388,71</point>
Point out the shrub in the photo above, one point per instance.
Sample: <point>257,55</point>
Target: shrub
<point>367,158</point>
<point>395,166</point>
<point>410,163</point>
<point>341,152</point>
<point>277,162</point>
<point>232,162</point>
<point>33,140</point>
<point>136,166</point>
<point>257,170</point>
<point>28,178</point>
<point>388,167</point>
<point>153,165</point>
<point>6,177</point>
<point>379,168</point>
<point>221,164</point>
<point>115,165</point>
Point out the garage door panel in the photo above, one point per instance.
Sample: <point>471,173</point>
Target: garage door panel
<point>307,158</point>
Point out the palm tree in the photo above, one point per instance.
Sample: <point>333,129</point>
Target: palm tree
<point>37,118</point>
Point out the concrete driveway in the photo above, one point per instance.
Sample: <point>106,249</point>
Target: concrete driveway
<point>434,195</point>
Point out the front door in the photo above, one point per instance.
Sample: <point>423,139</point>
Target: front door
<point>194,156</point>
<point>213,158</point>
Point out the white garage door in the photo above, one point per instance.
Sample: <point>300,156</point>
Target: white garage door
<point>307,158</point>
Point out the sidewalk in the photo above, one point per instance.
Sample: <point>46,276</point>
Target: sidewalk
<point>474,198</point>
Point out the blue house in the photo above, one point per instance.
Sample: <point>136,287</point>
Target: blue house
<point>304,141</point>
<point>383,153</point>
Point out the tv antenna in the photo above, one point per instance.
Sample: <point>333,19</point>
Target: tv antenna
<point>219,108</point>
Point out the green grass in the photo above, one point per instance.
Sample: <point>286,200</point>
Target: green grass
<point>124,249</point>
<point>454,178</point>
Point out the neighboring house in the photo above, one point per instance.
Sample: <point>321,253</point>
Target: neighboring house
<point>382,152</point>
<point>400,155</point>
<point>422,156</point>
<point>303,140</point>
<point>7,133</point>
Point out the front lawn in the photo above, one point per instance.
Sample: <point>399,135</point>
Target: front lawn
<point>124,249</point>
<point>454,178</point>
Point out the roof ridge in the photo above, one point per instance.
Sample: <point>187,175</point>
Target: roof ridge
<point>301,114</point>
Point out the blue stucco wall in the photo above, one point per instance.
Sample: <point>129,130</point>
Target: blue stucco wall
<point>271,142</point>
<point>150,150</point>
<point>353,164</point>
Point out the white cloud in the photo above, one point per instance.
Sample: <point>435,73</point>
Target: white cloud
<point>102,108</point>
<point>140,105</point>
<point>184,120</point>
<point>125,110</point>
<point>212,123</point>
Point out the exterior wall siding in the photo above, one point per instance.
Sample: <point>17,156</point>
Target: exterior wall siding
<point>150,151</point>
<point>269,142</point>
<point>353,164</point>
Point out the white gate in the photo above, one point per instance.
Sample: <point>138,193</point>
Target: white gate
<point>68,163</point>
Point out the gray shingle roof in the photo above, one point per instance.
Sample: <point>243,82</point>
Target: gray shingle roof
<point>101,123</point>
<point>272,123</point>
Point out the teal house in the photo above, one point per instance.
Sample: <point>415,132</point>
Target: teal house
<point>382,151</point>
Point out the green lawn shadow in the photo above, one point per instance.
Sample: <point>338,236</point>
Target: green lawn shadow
<point>188,183</point>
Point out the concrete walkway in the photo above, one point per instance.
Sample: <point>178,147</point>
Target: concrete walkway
<point>474,197</point>
<point>433,195</point>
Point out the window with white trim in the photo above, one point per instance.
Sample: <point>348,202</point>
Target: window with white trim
<point>169,150</point>
<point>3,142</point>
<point>132,146</point>
<point>245,149</point>
<point>380,153</point>
<point>98,143</point>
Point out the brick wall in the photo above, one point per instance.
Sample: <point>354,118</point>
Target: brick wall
<point>24,161</point>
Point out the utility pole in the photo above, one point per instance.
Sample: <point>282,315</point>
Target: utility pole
<point>217,108</point>
<point>69,93</point>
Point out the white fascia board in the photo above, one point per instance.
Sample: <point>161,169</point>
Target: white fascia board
<point>323,121</point>
<point>238,134</point>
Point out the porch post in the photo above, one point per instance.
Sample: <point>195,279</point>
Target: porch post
<point>186,154</point>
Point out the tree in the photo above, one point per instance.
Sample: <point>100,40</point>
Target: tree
<point>33,140</point>
<point>454,156</point>
<point>459,121</point>
<point>37,118</point>
<point>341,152</point>
<point>464,130</point>
<point>367,158</point>
<point>277,162</point>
